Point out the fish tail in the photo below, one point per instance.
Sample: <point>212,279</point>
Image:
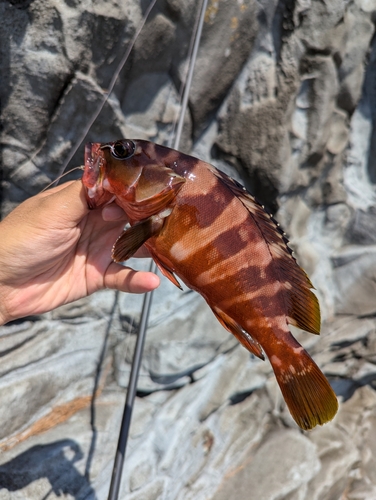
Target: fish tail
<point>307,392</point>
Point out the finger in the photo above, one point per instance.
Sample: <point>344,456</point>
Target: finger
<point>113,212</point>
<point>128,280</point>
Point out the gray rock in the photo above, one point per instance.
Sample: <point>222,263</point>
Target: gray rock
<point>151,106</point>
<point>252,128</point>
<point>353,53</point>
<point>321,76</point>
<point>283,98</point>
<point>229,34</point>
<point>78,104</point>
<point>338,136</point>
<point>338,456</point>
<point>361,230</point>
<point>291,456</point>
<point>353,276</point>
<point>53,365</point>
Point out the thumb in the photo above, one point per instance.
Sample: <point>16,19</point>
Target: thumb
<point>128,280</point>
<point>68,200</point>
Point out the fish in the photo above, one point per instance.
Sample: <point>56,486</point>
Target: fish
<point>205,229</point>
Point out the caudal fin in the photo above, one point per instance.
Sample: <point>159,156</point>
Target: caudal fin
<point>307,392</point>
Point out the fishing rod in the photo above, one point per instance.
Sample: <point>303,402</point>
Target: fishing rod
<point>136,361</point>
<point>145,312</point>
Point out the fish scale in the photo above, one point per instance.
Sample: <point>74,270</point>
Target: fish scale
<point>203,227</point>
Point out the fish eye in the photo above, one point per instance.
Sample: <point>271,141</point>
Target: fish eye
<point>123,149</point>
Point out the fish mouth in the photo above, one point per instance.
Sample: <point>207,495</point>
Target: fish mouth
<point>93,175</point>
<point>93,160</point>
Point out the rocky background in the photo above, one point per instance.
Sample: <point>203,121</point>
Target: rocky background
<point>284,98</point>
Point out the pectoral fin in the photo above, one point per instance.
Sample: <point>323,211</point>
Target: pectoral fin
<point>134,237</point>
<point>244,337</point>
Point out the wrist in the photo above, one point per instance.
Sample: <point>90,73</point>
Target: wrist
<point>3,318</point>
<point>4,315</point>
<point>3,321</point>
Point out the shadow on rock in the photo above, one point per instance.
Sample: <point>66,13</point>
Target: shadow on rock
<point>55,462</point>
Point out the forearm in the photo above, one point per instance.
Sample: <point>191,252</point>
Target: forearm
<point>9,278</point>
<point>5,243</point>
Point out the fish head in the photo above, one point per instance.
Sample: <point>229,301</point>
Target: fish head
<point>134,173</point>
<point>104,162</point>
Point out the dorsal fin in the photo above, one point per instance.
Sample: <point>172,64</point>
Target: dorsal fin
<point>302,307</point>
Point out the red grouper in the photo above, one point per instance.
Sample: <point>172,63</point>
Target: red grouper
<point>205,228</point>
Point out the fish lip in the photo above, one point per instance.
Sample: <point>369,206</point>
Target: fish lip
<point>93,160</point>
<point>92,178</point>
<point>94,168</point>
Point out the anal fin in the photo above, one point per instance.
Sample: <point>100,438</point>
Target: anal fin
<point>166,272</point>
<point>244,337</point>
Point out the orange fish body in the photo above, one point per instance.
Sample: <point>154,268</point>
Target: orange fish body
<point>205,228</point>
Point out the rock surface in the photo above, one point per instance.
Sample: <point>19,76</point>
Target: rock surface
<point>283,98</point>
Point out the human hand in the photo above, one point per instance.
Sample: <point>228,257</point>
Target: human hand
<point>54,250</point>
